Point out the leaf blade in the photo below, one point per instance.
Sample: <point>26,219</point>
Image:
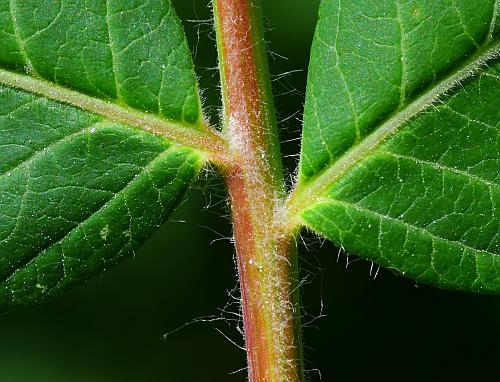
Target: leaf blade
<point>94,152</point>
<point>370,206</point>
<point>133,53</point>
<point>376,96</point>
<point>82,195</point>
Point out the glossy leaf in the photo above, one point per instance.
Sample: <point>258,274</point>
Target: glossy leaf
<point>79,190</point>
<point>401,149</point>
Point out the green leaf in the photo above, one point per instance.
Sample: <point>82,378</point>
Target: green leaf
<point>83,182</point>
<point>401,144</point>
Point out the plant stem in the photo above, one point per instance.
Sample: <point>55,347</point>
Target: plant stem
<point>267,256</point>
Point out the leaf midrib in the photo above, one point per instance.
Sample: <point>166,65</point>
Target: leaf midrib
<point>200,137</point>
<point>302,195</point>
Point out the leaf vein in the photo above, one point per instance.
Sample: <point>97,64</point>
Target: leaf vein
<point>402,86</point>
<point>22,49</point>
<point>36,153</point>
<point>442,167</point>
<point>395,220</point>
<point>113,53</point>
<point>92,214</point>
<point>200,136</point>
<point>300,198</point>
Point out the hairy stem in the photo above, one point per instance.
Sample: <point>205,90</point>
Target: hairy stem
<point>267,257</point>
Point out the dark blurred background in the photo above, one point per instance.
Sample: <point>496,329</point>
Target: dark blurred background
<point>171,313</point>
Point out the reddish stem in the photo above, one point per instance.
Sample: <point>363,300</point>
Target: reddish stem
<point>267,258</point>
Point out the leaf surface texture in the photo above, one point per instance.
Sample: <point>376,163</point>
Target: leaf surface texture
<point>401,142</point>
<point>78,191</point>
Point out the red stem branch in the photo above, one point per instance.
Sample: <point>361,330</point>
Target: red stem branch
<point>267,258</point>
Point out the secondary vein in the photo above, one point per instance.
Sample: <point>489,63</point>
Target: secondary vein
<point>113,52</point>
<point>408,225</point>
<point>91,215</point>
<point>29,65</point>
